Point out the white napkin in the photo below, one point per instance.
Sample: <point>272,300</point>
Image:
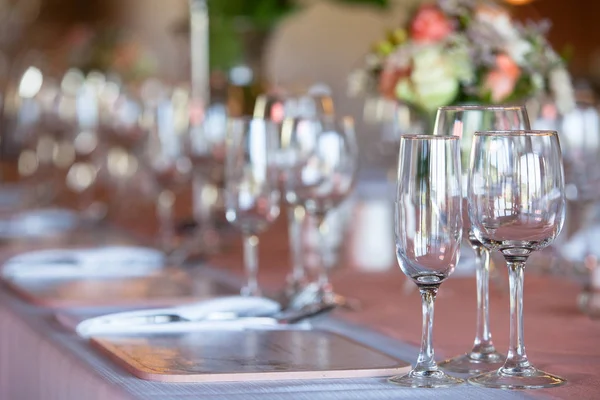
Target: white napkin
<point>37,223</point>
<point>102,262</point>
<point>223,313</point>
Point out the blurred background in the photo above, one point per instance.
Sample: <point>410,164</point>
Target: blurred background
<point>254,46</point>
<point>76,77</point>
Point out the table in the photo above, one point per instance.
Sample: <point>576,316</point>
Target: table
<point>38,360</point>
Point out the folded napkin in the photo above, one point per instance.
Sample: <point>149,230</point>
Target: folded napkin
<point>223,313</point>
<point>102,262</point>
<point>37,223</point>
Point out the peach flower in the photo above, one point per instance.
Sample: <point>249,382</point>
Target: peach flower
<point>430,25</point>
<point>502,79</point>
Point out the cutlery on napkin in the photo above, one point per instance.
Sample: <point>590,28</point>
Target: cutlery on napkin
<point>225,313</point>
<point>110,261</point>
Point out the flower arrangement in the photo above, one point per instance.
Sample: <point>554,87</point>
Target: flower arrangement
<point>465,51</point>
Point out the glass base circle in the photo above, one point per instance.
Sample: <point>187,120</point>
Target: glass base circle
<point>426,379</point>
<point>474,363</point>
<point>531,379</point>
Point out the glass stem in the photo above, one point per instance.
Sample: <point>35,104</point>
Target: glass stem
<point>426,361</point>
<point>202,209</point>
<point>483,336</point>
<point>323,282</point>
<point>516,361</point>
<point>296,216</point>
<point>164,214</point>
<point>251,265</point>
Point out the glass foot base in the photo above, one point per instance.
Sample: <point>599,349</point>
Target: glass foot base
<point>474,363</point>
<point>529,379</point>
<point>435,379</point>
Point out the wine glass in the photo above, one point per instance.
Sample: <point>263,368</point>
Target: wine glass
<point>463,121</point>
<point>251,187</point>
<point>516,200</point>
<point>428,234</point>
<point>320,179</point>
<point>206,149</point>
<point>289,111</point>
<point>165,120</point>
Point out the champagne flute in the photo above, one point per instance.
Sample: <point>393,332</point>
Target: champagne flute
<point>251,187</point>
<point>516,200</point>
<point>322,177</point>
<point>428,229</point>
<point>463,121</point>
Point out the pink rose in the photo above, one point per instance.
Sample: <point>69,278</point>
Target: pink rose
<point>430,25</point>
<point>502,79</point>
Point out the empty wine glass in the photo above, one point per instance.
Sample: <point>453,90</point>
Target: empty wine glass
<point>288,157</point>
<point>206,149</point>
<point>463,121</point>
<point>166,122</point>
<point>516,200</point>
<point>428,229</point>
<point>320,179</point>
<point>251,187</point>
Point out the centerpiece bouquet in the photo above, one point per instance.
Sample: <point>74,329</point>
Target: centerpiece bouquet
<point>465,51</point>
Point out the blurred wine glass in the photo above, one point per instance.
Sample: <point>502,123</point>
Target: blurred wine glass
<point>251,187</point>
<point>206,148</point>
<point>166,120</point>
<point>123,138</point>
<point>322,176</point>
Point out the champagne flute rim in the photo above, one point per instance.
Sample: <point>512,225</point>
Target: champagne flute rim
<point>409,136</point>
<point>517,133</point>
<point>475,107</point>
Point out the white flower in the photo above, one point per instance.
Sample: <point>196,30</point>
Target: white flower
<point>537,80</point>
<point>512,41</point>
<point>432,83</point>
<point>562,90</point>
<point>518,50</point>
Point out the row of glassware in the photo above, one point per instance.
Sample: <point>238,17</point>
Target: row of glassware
<point>84,131</point>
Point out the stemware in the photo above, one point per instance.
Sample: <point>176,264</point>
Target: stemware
<point>166,123</point>
<point>288,157</point>
<point>281,109</point>
<point>428,230</point>
<point>463,121</point>
<point>251,187</point>
<point>320,179</point>
<point>206,150</point>
<point>516,203</point>
<point>289,111</point>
